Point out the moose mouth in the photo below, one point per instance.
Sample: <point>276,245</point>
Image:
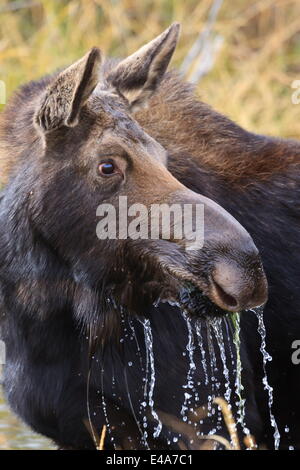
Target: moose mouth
<point>198,295</point>
<point>195,303</point>
<point>193,300</point>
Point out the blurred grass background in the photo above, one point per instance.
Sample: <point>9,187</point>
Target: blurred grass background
<point>250,80</point>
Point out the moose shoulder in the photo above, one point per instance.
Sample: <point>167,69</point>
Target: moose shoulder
<point>95,132</point>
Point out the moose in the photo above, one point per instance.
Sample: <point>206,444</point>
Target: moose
<point>105,128</point>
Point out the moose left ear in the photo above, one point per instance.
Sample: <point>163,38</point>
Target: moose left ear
<point>63,99</point>
<point>137,77</point>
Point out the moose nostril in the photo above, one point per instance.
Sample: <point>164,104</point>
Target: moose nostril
<point>226,298</point>
<point>237,287</point>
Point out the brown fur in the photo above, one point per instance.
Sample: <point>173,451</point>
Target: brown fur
<point>189,127</point>
<point>192,128</point>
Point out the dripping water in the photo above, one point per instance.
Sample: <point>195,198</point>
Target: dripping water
<point>145,379</point>
<point>133,337</point>
<point>144,437</point>
<point>217,328</point>
<point>143,404</point>
<point>228,328</point>
<point>139,354</point>
<point>189,386</point>
<point>202,349</point>
<point>266,358</point>
<point>235,319</point>
<point>215,385</point>
<point>214,329</point>
<point>150,355</point>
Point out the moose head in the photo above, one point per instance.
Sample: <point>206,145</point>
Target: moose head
<point>90,153</point>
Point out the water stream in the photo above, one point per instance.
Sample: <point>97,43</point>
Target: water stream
<point>235,319</point>
<point>219,351</point>
<point>217,325</point>
<point>202,350</point>
<point>266,358</point>
<point>188,387</point>
<point>150,355</point>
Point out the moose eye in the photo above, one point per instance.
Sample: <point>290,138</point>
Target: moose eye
<point>107,168</point>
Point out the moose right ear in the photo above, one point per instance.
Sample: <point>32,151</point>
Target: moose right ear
<point>138,76</point>
<point>65,97</point>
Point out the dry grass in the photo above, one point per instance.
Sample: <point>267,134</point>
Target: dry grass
<point>102,439</point>
<point>252,76</point>
<point>197,441</point>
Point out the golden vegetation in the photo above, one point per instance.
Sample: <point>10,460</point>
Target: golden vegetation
<point>253,70</point>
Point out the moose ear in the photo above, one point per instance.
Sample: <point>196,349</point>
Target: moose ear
<point>64,98</point>
<point>137,77</point>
